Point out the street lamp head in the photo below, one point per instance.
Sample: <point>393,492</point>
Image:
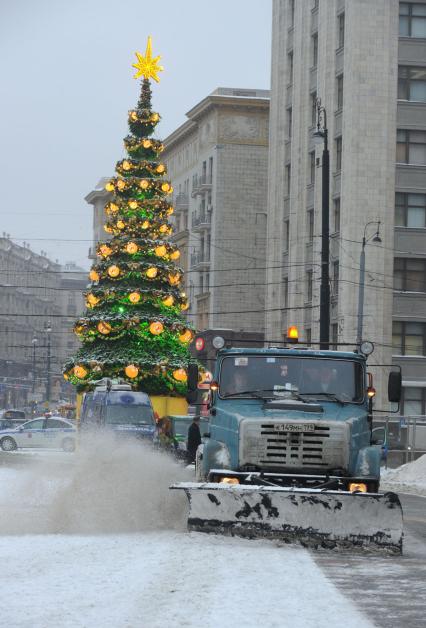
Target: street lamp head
<point>318,137</point>
<point>34,341</point>
<point>377,238</point>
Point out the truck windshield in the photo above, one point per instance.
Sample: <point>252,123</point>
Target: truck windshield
<point>135,414</point>
<point>279,375</point>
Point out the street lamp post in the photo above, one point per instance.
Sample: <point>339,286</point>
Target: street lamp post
<point>34,343</point>
<point>375,238</point>
<point>321,137</point>
<point>48,330</point>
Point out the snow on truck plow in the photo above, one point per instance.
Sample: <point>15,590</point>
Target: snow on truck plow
<point>312,517</point>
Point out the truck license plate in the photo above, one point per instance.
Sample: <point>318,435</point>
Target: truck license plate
<point>294,427</point>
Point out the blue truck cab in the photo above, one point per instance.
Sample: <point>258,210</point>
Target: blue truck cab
<point>119,409</point>
<point>300,417</point>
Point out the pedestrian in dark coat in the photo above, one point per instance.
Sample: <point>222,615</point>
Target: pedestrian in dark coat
<point>194,439</point>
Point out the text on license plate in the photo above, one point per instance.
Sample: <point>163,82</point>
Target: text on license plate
<point>294,427</point>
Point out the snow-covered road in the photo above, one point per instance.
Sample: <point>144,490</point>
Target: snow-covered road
<point>97,540</point>
<point>165,579</point>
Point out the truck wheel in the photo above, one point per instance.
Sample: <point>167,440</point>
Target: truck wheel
<point>199,474</point>
<point>8,444</point>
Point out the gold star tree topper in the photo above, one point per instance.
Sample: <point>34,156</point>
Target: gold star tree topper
<point>147,66</point>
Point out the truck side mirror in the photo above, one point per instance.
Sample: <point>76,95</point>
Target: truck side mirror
<point>394,386</point>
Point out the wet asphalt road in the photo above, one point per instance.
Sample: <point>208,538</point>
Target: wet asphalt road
<point>390,590</point>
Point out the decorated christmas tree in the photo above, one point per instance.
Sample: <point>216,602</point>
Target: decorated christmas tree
<point>133,327</point>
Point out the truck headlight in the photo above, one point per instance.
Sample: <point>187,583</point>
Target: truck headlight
<point>357,487</point>
<point>229,481</point>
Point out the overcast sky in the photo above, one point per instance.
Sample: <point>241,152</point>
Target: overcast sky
<point>66,86</point>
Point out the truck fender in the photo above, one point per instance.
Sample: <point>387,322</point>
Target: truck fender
<point>215,456</point>
<point>368,462</point>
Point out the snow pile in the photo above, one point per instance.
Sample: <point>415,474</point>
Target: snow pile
<point>105,487</point>
<point>408,478</point>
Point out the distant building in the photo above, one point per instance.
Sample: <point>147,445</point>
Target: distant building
<point>98,198</point>
<point>217,162</point>
<point>40,301</point>
<point>366,60</point>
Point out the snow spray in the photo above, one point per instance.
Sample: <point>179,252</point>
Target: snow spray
<point>106,486</point>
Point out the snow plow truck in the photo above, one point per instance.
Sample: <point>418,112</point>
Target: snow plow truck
<point>291,454</point>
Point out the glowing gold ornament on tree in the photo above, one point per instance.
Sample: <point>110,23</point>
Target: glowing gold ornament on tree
<point>175,255</point>
<point>174,279</point>
<point>163,228</point>
<point>104,328</point>
<point>185,336</point>
<point>168,301</point>
<point>105,250</point>
<point>93,275</point>
<point>160,168</point>
<point>126,165</point>
<point>145,224</point>
<point>184,306</point>
<point>133,204</point>
<point>170,210</point>
<point>80,371</point>
<point>180,375</point>
<point>144,184</point>
<point>156,328</point>
<point>107,228</point>
<point>109,186</point>
<point>155,117</point>
<point>160,251</point>
<point>131,371</point>
<point>152,272</point>
<point>147,66</point>
<point>132,248</point>
<point>113,271</point>
<point>147,143</point>
<point>133,115</point>
<point>134,297</point>
<point>166,187</point>
<point>92,300</point>
<point>120,224</point>
<point>121,184</point>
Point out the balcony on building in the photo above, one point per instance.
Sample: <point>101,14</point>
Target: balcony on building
<point>200,260</point>
<point>181,202</point>
<point>201,219</point>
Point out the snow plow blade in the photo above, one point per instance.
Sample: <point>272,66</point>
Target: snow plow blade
<point>312,517</point>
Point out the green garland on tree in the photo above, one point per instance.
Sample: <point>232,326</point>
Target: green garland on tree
<point>133,327</point>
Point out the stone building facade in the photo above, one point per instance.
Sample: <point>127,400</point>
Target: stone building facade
<point>366,61</point>
<point>217,161</point>
<point>34,301</point>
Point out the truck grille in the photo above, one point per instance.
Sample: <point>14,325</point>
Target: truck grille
<point>266,445</point>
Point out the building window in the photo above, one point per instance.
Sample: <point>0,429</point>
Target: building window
<point>286,235</point>
<point>335,279</point>
<point>291,12</point>
<point>285,291</point>
<point>408,338</point>
<point>411,147</point>
<point>413,401</point>
<point>339,82</point>
<point>338,153</point>
<point>289,121</point>
<point>210,170</point>
<point>287,179</point>
<point>410,210</point>
<point>411,83</point>
<point>314,48</point>
<point>314,108</point>
<point>310,222</point>
<point>412,20</point>
<point>309,283</point>
<point>341,30</point>
<point>409,274</point>
<point>336,215</point>
<point>312,167</point>
<point>334,336</point>
<point>290,67</point>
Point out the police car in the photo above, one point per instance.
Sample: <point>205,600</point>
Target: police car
<point>52,432</point>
